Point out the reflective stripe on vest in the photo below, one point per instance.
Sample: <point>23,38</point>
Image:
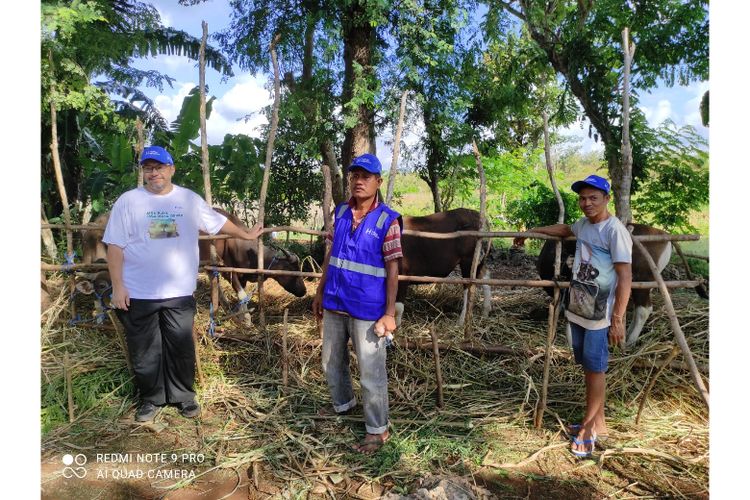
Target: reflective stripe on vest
<point>342,209</point>
<point>381,220</point>
<point>349,265</point>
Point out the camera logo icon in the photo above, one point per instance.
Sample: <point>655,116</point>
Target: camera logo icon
<point>74,466</point>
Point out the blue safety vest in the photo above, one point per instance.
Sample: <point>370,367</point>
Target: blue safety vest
<point>356,279</point>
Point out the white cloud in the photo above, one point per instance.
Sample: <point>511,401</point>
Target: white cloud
<point>580,130</point>
<point>170,106</point>
<point>663,111</point>
<point>166,19</point>
<point>245,97</point>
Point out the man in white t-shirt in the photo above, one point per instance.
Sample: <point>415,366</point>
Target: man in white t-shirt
<point>152,254</point>
<point>598,296</point>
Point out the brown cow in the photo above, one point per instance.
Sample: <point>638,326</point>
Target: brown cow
<point>660,251</point>
<point>438,258</point>
<point>234,252</point>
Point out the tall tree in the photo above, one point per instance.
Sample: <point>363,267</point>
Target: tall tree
<point>581,39</point>
<point>87,52</point>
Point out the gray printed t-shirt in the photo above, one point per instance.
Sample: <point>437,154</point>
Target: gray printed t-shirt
<point>598,247</point>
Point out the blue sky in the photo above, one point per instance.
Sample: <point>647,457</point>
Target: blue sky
<point>244,94</point>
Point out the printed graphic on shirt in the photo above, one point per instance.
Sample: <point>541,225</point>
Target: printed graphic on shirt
<point>591,283</point>
<point>162,224</point>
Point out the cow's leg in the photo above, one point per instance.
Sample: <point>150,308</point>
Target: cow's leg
<point>642,310</point>
<point>399,313</point>
<point>462,317</point>
<point>243,300</point>
<point>487,294</point>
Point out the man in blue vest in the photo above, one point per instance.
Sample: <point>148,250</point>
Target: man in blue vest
<point>356,298</point>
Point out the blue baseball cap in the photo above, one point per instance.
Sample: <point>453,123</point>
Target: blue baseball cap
<point>591,181</point>
<point>157,153</point>
<point>367,162</point>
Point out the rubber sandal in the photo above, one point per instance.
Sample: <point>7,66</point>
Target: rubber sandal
<point>573,429</point>
<point>584,454</point>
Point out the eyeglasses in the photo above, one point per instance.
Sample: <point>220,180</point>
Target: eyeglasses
<point>158,168</point>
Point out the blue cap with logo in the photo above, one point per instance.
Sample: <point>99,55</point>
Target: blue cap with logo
<point>157,153</point>
<point>591,181</point>
<point>368,162</point>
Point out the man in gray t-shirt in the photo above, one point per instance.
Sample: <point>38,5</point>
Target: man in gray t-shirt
<point>598,296</point>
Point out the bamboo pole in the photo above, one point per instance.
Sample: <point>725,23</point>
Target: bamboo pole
<point>478,245</point>
<point>396,148</point>
<point>425,234</point>
<point>205,164</point>
<point>285,352</point>
<point>267,169</point>
<point>554,310</point>
<point>438,370</point>
<point>667,362</point>
<point>54,148</point>
<point>626,174</point>
<point>69,386</point>
<point>140,144</point>
<point>121,340</point>
<point>687,266</point>
<point>679,336</point>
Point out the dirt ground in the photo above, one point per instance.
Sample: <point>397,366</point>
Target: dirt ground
<point>258,439</point>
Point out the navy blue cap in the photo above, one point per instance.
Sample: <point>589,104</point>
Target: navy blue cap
<point>368,162</point>
<point>157,153</point>
<point>591,181</point>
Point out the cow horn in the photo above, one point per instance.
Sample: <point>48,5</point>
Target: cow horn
<point>287,253</point>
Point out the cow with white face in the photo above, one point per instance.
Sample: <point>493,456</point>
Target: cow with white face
<point>232,252</point>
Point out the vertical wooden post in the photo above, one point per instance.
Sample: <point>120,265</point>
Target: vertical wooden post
<point>140,144</point>
<point>267,170</point>
<point>327,222</point>
<point>554,310</point>
<point>69,386</point>
<point>61,188</point>
<point>676,329</point>
<point>438,370</point>
<point>284,353</point>
<point>121,340</point>
<point>626,174</point>
<point>478,246</point>
<point>205,167</point>
<point>396,149</point>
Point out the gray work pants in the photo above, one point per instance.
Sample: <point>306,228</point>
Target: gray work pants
<point>370,351</point>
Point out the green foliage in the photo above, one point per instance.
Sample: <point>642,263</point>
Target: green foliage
<point>677,182</point>
<point>537,206</point>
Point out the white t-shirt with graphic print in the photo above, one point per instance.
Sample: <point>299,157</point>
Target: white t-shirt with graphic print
<point>159,237</point>
<point>598,247</point>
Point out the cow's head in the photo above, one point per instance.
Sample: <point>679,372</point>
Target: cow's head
<point>287,261</point>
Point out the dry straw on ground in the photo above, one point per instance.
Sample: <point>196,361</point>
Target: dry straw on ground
<point>254,426</point>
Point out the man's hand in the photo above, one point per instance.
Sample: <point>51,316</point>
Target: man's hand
<point>617,331</point>
<point>317,305</point>
<point>255,232</point>
<point>120,298</point>
<point>385,325</point>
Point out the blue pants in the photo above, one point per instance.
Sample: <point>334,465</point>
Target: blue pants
<point>591,348</point>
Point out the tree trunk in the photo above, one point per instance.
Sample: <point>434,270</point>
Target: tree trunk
<point>625,174</point>
<point>359,40</point>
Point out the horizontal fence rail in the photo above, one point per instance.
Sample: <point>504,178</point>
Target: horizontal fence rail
<point>401,277</point>
<point>423,234</point>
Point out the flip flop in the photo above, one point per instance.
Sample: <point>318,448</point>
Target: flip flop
<point>573,430</point>
<point>584,454</point>
<point>372,445</point>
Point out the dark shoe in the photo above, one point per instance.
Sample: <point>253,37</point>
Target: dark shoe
<point>146,412</point>
<point>189,409</point>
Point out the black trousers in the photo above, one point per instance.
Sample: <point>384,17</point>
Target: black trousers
<point>159,335</point>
